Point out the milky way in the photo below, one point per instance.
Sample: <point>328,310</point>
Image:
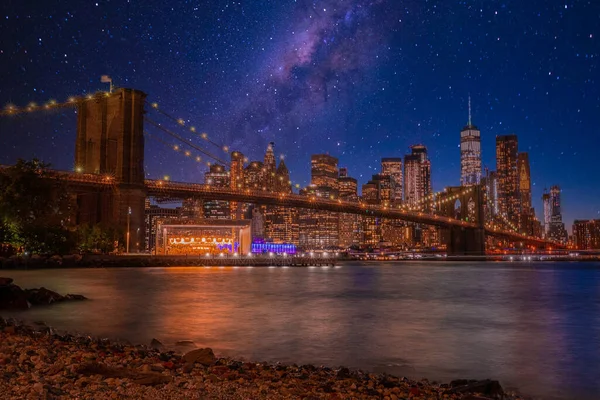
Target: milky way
<point>356,78</point>
<point>324,52</point>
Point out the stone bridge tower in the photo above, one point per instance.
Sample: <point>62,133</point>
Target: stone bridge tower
<point>468,206</point>
<point>110,141</point>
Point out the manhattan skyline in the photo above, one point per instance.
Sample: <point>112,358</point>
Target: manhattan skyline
<point>360,80</point>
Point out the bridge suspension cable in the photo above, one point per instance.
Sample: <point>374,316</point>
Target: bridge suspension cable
<point>176,148</point>
<point>182,140</point>
<point>192,129</point>
<point>72,101</point>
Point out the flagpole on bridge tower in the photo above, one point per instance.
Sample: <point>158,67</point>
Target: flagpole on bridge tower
<point>107,79</point>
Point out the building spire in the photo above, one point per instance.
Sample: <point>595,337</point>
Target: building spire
<point>469,109</point>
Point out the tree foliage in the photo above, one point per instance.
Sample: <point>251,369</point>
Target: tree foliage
<point>99,238</point>
<point>34,209</point>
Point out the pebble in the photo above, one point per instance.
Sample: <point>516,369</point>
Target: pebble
<point>117,371</point>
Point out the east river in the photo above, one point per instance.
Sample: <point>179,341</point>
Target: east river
<point>535,327</point>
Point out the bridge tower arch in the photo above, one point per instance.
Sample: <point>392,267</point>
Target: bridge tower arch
<point>110,141</point>
<point>467,204</point>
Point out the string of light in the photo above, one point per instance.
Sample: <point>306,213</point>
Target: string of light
<point>183,140</point>
<point>177,149</point>
<point>192,129</point>
<point>11,109</point>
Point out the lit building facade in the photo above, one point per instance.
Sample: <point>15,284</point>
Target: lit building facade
<point>507,147</point>
<point>318,229</point>
<point>587,234</point>
<point>417,175</point>
<point>281,223</point>
<point>217,176</point>
<point>470,153</point>
<point>324,171</point>
<point>350,224</point>
<point>371,226</point>
<point>205,237</point>
<point>393,167</point>
<point>254,176</point>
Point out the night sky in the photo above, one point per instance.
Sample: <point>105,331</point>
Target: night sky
<point>360,79</point>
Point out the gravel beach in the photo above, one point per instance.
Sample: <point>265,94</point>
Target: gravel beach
<point>36,363</point>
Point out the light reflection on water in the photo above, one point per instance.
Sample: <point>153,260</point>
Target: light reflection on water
<point>534,326</point>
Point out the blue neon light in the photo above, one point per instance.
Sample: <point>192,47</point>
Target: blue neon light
<point>278,248</point>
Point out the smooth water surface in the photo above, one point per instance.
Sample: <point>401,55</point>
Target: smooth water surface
<point>535,327</point>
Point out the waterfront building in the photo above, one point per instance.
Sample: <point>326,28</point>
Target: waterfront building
<point>392,167</point>
<point>417,175</point>
<point>470,153</point>
<point>586,234</point>
<point>508,178</point>
<point>324,170</point>
<point>218,177</point>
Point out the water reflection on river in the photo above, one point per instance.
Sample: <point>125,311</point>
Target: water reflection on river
<point>533,326</point>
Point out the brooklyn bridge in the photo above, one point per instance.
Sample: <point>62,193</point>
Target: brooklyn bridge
<point>110,186</point>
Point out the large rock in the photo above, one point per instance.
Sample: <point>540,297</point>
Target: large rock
<point>201,356</point>
<point>5,281</point>
<point>13,297</point>
<point>486,387</point>
<point>42,296</point>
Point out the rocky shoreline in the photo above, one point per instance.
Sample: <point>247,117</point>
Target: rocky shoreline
<point>37,363</point>
<point>12,297</point>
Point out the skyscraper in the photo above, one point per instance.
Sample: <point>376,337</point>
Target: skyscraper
<point>470,153</point>
<point>324,170</point>
<point>527,214</point>
<point>508,179</point>
<point>524,182</point>
<point>236,171</point>
<point>236,182</point>
<point>371,226</point>
<point>270,167</point>
<point>254,176</point>
<point>547,211</point>
<point>393,167</point>
<point>417,175</point>
<point>349,224</point>
<point>281,223</point>
<point>557,231</point>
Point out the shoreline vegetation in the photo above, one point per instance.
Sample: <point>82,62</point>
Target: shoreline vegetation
<point>38,363</point>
